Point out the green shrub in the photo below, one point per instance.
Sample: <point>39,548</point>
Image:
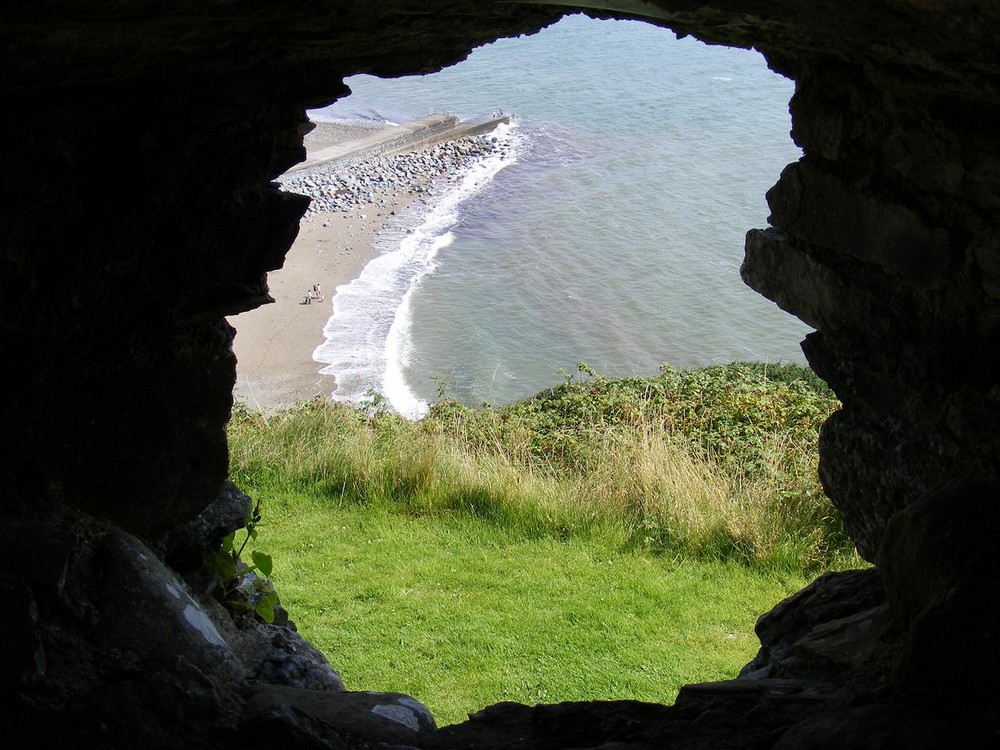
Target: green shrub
<point>715,464</point>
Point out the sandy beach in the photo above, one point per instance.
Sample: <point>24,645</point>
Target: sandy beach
<point>274,343</point>
<point>354,197</point>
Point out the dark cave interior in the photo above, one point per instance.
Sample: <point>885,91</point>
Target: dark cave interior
<point>141,141</point>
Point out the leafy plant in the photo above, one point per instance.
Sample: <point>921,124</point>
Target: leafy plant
<point>375,402</point>
<point>245,590</point>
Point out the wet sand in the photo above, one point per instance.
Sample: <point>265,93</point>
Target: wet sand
<point>355,194</point>
<point>274,343</point>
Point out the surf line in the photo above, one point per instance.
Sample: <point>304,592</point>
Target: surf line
<point>369,338</point>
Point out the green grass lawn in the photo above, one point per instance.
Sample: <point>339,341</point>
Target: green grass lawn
<point>457,614</point>
<point>604,539</point>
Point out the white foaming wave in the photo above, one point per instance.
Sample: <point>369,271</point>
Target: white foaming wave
<point>368,343</point>
<point>399,343</point>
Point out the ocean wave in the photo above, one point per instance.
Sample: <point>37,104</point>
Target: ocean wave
<point>368,343</point>
<point>399,340</point>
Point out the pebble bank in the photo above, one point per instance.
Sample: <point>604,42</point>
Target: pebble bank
<point>336,188</point>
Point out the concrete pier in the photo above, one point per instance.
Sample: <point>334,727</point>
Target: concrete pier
<point>434,128</point>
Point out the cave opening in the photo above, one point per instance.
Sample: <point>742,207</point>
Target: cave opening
<point>612,234</point>
<point>699,138</point>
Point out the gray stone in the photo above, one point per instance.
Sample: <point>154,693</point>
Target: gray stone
<point>336,717</point>
<point>147,612</point>
<point>187,544</point>
<point>280,656</point>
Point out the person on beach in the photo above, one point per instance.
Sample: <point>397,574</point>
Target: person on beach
<point>315,293</point>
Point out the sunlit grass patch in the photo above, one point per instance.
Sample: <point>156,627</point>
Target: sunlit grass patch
<point>604,539</point>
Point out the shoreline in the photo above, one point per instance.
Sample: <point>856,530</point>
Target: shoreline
<point>274,343</point>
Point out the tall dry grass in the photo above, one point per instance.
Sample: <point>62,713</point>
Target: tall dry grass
<point>717,464</point>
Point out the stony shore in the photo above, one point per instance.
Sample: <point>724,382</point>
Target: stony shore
<point>374,180</point>
<point>351,204</point>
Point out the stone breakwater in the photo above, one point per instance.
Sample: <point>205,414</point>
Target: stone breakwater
<point>374,180</point>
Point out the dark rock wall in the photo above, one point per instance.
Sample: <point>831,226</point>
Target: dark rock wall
<point>884,239</point>
<point>139,141</point>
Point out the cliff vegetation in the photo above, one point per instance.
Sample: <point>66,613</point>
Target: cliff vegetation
<point>533,551</point>
<point>711,464</point>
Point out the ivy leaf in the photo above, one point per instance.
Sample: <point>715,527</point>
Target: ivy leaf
<point>265,607</point>
<point>263,562</point>
<point>227,542</point>
<point>225,566</point>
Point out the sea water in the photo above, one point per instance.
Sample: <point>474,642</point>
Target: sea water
<point>609,232</point>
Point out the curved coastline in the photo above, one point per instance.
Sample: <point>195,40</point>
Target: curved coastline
<point>368,344</point>
<point>351,205</point>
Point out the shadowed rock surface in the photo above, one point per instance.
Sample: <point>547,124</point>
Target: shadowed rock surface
<point>140,145</point>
